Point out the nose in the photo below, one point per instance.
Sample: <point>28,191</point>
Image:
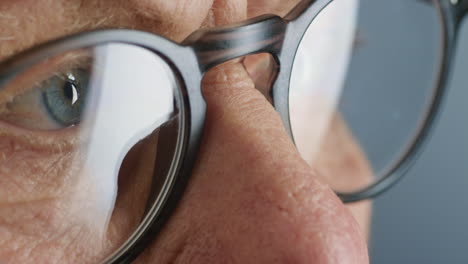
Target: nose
<point>252,198</point>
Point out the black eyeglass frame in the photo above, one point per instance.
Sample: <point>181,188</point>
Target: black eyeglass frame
<point>207,48</point>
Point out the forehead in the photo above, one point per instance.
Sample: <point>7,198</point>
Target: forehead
<point>24,23</point>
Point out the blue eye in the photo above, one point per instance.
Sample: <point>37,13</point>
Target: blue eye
<point>64,96</point>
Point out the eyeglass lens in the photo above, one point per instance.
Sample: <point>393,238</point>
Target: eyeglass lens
<point>364,73</point>
<point>89,123</point>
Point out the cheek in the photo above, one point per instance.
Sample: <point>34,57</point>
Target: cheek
<point>28,173</point>
<point>38,213</point>
<point>47,202</point>
<point>42,189</point>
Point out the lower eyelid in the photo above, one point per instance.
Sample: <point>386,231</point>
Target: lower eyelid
<point>64,140</point>
<point>25,109</point>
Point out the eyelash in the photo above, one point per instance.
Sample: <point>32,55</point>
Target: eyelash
<point>38,74</point>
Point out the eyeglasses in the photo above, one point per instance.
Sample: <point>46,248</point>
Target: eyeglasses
<point>102,104</point>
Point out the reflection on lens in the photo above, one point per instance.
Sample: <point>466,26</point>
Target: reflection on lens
<point>361,84</point>
<point>88,138</point>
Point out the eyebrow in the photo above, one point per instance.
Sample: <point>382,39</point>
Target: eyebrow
<point>25,23</point>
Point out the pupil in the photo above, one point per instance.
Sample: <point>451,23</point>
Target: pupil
<point>70,92</point>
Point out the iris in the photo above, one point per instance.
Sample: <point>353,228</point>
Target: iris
<point>64,96</point>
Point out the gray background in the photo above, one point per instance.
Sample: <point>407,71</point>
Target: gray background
<point>424,218</point>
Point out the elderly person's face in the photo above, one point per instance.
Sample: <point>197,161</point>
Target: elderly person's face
<point>251,197</point>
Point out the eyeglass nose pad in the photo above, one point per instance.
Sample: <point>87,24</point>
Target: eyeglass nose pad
<point>263,71</point>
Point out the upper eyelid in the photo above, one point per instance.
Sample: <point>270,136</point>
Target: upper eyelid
<point>37,74</point>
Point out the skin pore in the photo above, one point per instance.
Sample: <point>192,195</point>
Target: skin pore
<point>251,197</point>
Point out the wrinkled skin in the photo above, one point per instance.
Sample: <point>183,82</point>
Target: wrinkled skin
<point>251,197</point>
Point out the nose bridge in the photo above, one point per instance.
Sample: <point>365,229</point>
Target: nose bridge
<point>215,46</point>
